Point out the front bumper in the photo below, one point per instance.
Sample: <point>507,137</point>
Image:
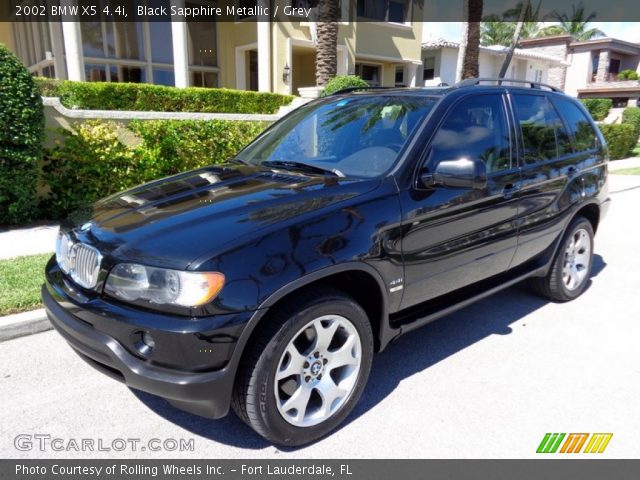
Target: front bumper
<point>206,393</point>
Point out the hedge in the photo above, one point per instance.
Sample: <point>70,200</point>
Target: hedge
<point>621,138</point>
<point>631,115</point>
<point>628,75</point>
<point>99,159</point>
<point>598,107</point>
<point>21,135</point>
<point>156,98</point>
<point>340,82</point>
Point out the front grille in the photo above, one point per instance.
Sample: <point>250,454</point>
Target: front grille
<point>81,262</point>
<point>86,266</point>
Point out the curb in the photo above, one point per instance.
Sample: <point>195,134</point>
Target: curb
<point>23,324</point>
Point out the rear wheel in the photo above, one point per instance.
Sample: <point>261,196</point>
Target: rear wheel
<point>307,368</point>
<point>571,268</point>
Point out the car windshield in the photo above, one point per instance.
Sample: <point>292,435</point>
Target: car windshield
<point>356,136</point>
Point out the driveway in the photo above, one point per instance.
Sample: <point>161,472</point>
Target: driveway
<point>486,382</point>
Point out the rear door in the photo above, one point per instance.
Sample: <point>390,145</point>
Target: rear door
<point>549,164</point>
<point>453,237</point>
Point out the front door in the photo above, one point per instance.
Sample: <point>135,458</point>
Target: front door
<point>453,237</point>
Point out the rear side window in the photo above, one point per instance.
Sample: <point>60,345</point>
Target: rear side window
<point>584,137</point>
<point>544,136</point>
<point>475,129</point>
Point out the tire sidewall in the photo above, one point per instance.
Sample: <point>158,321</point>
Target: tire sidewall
<point>268,413</point>
<point>577,224</point>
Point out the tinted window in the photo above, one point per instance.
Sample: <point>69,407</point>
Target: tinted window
<point>474,129</point>
<point>543,133</point>
<point>359,135</point>
<point>584,137</point>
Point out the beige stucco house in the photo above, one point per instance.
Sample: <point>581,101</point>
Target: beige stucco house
<point>592,66</point>
<point>383,47</point>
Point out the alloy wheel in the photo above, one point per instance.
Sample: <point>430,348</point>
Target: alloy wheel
<point>577,259</point>
<point>318,370</point>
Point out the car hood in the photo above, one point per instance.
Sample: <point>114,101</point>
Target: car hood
<point>173,221</point>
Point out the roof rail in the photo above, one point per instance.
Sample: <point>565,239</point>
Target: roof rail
<point>468,82</point>
<point>354,89</point>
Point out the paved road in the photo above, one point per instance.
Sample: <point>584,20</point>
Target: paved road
<point>488,381</point>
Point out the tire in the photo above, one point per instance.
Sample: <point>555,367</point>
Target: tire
<point>564,283</point>
<point>279,370</point>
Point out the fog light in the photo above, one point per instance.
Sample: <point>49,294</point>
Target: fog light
<point>145,343</point>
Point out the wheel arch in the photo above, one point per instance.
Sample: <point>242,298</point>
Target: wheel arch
<point>590,211</point>
<point>357,279</point>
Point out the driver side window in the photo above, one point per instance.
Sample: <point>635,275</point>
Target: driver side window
<point>475,129</point>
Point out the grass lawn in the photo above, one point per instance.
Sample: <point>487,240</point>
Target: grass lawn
<point>20,282</point>
<point>636,151</point>
<point>627,171</point>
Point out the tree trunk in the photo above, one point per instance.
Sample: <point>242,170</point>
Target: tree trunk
<point>470,66</point>
<point>327,50</point>
<point>514,40</point>
<point>462,50</point>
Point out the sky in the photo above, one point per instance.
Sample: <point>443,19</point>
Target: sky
<point>629,31</point>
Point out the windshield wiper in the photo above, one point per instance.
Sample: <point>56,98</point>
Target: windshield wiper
<point>292,165</point>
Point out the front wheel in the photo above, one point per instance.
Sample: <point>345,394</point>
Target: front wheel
<point>306,369</point>
<point>571,268</point>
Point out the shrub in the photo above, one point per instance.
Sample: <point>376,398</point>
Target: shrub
<point>631,115</point>
<point>100,158</point>
<point>21,135</point>
<point>628,75</point>
<point>343,81</point>
<point>598,107</point>
<point>621,138</point>
<point>155,98</point>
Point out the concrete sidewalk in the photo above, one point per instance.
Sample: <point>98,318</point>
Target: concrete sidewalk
<point>624,163</point>
<point>28,241</point>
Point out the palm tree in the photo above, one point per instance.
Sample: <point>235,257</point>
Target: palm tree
<point>470,46</point>
<point>576,25</point>
<point>514,41</point>
<point>500,29</point>
<point>327,41</point>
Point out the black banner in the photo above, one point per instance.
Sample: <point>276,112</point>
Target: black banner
<point>304,10</point>
<point>321,469</point>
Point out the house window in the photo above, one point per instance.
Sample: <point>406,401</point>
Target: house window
<point>400,76</point>
<point>203,53</point>
<point>369,73</point>
<point>395,11</point>
<point>538,76</point>
<point>429,65</point>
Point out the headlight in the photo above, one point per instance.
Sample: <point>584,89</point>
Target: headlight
<point>63,251</point>
<point>130,282</point>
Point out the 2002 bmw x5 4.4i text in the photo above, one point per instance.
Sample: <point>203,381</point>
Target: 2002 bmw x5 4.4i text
<point>267,283</point>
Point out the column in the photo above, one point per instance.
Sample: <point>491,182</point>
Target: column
<point>264,51</point>
<point>412,71</point>
<point>57,47</point>
<point>602,75</point>
<point>73,47</point>
<point>180,51</point>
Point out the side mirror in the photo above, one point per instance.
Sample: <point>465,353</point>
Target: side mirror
<point>462,173</point>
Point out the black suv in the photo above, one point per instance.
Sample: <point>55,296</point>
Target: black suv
<point>267,283</point>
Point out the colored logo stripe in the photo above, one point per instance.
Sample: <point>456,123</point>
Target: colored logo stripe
<point>598,442</point>
<point>550,443</point>
<point>574,442</point>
